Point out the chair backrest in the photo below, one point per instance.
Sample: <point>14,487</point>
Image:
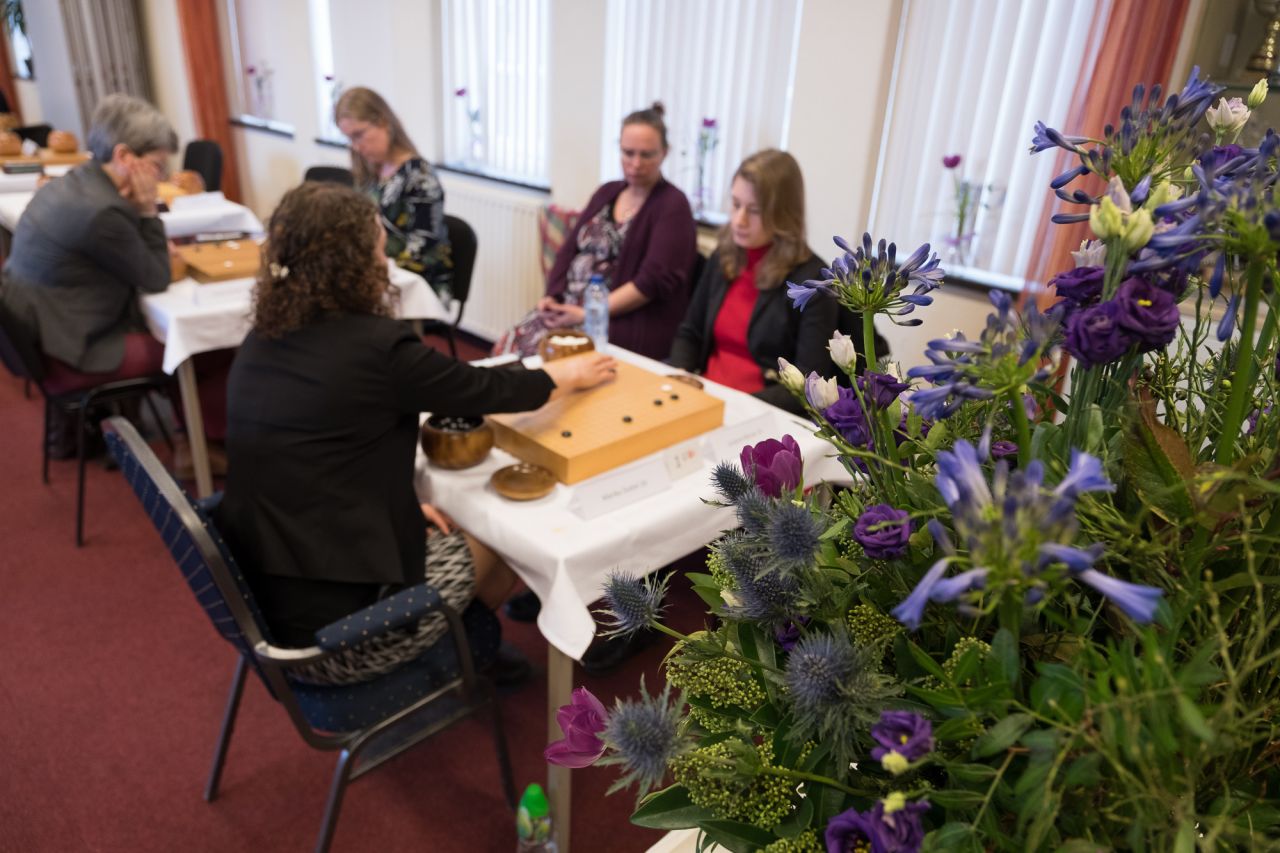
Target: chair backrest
<point>37,133</point>
<point>332,174</point>
<point>462,246</point>
<point>203,559</point>
<point>19,350</point>
<point>205,157</point>
<point>554,225</point>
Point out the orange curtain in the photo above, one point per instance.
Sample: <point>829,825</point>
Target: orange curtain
<point>208,87</point>
<point>7,84</point>
<point>1137,47</point>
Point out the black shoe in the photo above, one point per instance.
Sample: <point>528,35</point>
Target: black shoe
<point>509,668</point>
<point>608,653</point>
<point>523,607</point>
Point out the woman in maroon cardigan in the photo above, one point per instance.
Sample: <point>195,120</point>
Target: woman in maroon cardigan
<point>639,234</point>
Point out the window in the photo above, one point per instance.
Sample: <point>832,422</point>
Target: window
<point>495,78</point>
<point>723,70</point>
<point>15,24</point>
<point>261,64</point>
<point>972,79</point>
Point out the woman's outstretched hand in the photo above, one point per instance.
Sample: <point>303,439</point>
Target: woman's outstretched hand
<point>580,372</point>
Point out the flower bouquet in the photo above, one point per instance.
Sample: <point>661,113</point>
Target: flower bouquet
<point>1038,619</point>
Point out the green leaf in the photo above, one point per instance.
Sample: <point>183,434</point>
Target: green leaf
<point>836,529</point>
<point>746,641</point>
<point>972,773</point>
<point>1083,771</point>
<point>1081,845</point>
<point>1159,465</point>
<point>1186,840</point>
<point>767,716</point>
<point>710,596</point>
<point>670,809</point>
<point>1003,663</point>
<point>1002,735</point>
<point>926,663</point>
<point>951,837</point>
<point>701,579</point>
<point>1193,719</point>
<point>798,821</point>
<point>956,798</point>
<point>958,728</point>
<point>1058,692</point>
<point>737,837</point>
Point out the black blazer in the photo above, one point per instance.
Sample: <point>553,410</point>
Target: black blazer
<point>80,256</point>
<point>322,425</point>
<point>776,329</point>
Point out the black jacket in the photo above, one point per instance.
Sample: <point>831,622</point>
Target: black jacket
<point>80,256</point>
<point>777,328</point>
<point>322,426</point>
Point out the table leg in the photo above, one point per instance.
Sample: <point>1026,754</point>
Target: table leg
<point>195,428</point>
<point>559,692</point>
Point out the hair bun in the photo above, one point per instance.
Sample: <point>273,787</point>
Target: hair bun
<point>658,108</point>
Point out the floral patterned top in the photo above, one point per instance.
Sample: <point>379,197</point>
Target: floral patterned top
<point>599,242</point>
<point>412,206</point>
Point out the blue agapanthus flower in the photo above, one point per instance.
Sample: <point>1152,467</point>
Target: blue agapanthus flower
<point>1016,534</point>
<point>869,280</point>
<point>1007,356</point>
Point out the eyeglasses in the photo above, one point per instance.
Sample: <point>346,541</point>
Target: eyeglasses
<point>159,160</point>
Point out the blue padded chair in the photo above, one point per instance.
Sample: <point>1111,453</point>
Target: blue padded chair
<point>366,723</point>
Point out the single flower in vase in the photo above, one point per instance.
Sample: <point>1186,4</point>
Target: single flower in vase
<point>967,196</point>
<point>475,147</point>
<point>708,139</point>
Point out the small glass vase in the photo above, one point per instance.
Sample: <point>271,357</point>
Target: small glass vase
<point>959,250</point>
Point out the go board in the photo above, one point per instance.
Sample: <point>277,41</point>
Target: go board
<point>589,432</point>
<point>229,259</point>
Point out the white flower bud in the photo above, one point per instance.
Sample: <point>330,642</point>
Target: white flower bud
<point>1228,116</point>
<point>820,392</point>
<point>1093,253</point>
<point>1138,229</point>
<point>1257,94</point>
<point>790,376</point>
<point>842,350</point>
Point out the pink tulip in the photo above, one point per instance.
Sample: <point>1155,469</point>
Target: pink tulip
<point>774,465</point>
<point>582,721</point>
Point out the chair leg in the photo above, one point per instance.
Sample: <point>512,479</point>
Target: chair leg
<point>341,776</point>
<point>80,453</point>
<point>453,344</point>
<point>500,745</point>
<point>44,456</point>
<point>228,725</point>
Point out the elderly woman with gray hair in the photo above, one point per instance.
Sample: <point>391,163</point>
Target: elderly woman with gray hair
<point>87,245</point>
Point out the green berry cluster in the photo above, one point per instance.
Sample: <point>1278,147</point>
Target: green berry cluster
<point>949,666</point>
<point>868,626</point>
<point>715,568</point>
<point>805,842</point>
<point>759,799</point>
<point>712,722</point>
<point>721,681</point>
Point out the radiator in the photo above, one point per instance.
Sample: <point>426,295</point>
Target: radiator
<point>508,276</point>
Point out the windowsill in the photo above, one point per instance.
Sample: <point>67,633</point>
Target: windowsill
<point>496,177</point>
<point>276,128</point>
<point>333,143</point>
<point>983,279</point>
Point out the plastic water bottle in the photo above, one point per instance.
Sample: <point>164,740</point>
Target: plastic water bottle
<point>533,823</point>
<point>595,306</point>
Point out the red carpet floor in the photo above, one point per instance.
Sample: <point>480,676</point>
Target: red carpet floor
<point>112,685</point>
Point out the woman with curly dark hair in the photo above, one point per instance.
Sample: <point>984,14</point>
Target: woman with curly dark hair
<point>323,407</point>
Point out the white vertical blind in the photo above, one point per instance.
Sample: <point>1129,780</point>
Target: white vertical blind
<point>105,52</point>
<point>496,50</point>
<point>728,60</point>
<point>971,78</point>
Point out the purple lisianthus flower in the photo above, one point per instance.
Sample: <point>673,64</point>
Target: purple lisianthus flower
<point>789,634</point>
<point>1095,336</point>
<point>880,389</point>
<point>904,732</point>
<point>951,161</point>
<point>460,93</point>
<point>1219,156</point>
<point>883,531</point>
<point>774,465</point>
<point>1003,449</point>
<point>582,721</point>
<point>848,418</point>
<point>709,123</point>
<point>899,831</point>
<point>251,70</point>
<point>1149,313</point>
<point>1081,285</point>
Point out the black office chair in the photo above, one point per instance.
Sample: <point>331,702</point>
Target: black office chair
<point>204,156</point>
<point>331,174</point>
<point>73,393</point>
<point>366,723</point>
<point>37,133</point>
<point>462,247</point>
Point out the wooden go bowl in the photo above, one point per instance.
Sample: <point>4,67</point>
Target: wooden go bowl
<point>456,442</point>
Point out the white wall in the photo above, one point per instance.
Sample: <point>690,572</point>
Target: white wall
<point>842,78</point>
<point>52,60</point>
<point>168,68</point>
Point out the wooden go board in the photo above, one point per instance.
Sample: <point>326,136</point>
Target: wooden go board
<point>589,432</point>
<point>229,259</point>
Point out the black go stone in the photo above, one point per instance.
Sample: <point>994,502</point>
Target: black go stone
<point>657,402</point>
<point>626,419</point>
<point>675,396</point>
<point>565,433</point>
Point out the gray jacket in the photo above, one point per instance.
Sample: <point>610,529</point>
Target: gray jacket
<point>80,256</point>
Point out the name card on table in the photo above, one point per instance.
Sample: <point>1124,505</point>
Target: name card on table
<point>685,458</point>
<point>727,442</point>
<point>612,491</point>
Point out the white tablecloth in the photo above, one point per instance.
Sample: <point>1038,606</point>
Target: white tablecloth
<point>198,214</point>
<point>565,559</point>
<point>26,182</point>
<point>192,318</point>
